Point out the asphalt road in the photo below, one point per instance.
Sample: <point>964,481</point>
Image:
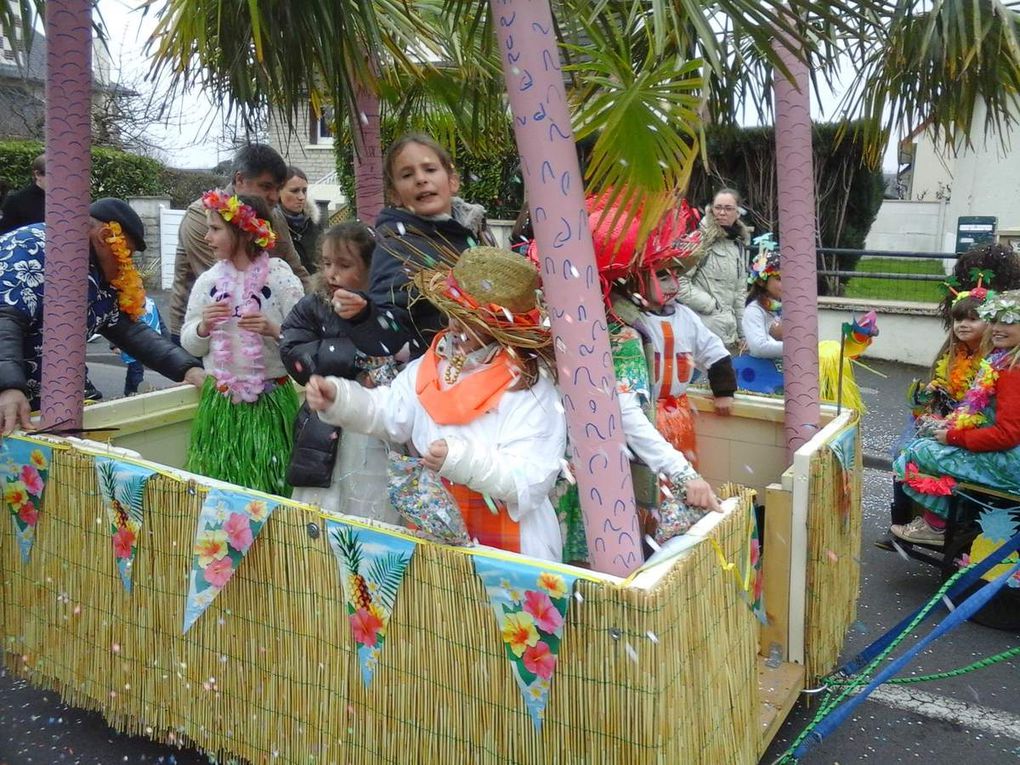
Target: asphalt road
<point>970,719</point>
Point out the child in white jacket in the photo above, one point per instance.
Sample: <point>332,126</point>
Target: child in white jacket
<point>476,406</point>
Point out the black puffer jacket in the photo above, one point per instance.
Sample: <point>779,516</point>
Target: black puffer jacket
<point>405,240</point>
<point>315,341</point>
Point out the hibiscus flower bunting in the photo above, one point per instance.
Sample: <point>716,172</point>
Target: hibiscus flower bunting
<point>227,527</point>
<point>372,566</point>
<point>122,489</point>
<point>531,610</point>
<point>24,469</point>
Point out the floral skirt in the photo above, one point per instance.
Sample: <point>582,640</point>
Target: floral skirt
<point>924,464</point>
<point>246,444</point>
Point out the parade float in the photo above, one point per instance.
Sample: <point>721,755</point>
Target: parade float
<point>203,614</point>
<point>326,639</point>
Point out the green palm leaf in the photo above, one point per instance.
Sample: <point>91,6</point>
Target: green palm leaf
<point>387,572</point>
<point>132,496</point>
<point>107,481</point>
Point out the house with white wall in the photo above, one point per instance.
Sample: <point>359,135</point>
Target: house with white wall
<point>941,185</point>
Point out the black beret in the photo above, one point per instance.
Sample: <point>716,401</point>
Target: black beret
<point>111,209</point>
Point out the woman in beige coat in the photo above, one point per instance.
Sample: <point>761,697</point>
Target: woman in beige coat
<point>716,287</point>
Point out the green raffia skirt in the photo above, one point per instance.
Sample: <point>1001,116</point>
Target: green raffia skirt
<point>245,444</point>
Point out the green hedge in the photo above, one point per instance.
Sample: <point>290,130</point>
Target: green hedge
<point>114,173</point>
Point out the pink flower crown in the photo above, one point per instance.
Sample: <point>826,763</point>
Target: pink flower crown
<point>240,215</point>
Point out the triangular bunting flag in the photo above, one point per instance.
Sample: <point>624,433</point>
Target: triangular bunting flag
<point>531,610</point>
<point>227,527</point>
<point>24,468</point>
<point>372,566</point>
<point>756,591</point>
<point>122,487</point>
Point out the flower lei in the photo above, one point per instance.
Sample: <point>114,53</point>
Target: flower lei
<point>128,282</point>
<point>238,363</point>
<point>243,216</point>
<point>971,411</point>
<point>958,376</point>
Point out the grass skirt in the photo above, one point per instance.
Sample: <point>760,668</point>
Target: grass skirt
<point>245,444</point>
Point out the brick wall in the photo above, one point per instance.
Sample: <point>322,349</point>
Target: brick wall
<point>316,160</point>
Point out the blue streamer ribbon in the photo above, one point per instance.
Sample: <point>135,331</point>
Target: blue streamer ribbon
<point>961,586</point>
<point>962,612</point>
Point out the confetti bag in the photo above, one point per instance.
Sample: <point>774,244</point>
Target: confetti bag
<point>420,498</point>
<point>674,516</point>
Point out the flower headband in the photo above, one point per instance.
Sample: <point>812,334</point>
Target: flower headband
<point>238,214</point>
<point>766,262</point>
<point>979,292</point>
<point>1003,307</point>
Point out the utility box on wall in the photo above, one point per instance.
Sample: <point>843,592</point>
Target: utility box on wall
<point>972,230</point>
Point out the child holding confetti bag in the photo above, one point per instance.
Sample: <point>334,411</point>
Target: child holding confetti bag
<point>338,471</point>
<point>479,405</point>
<point>242,432</point>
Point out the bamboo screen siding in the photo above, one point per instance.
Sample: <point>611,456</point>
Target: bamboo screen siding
<point>268,672</point>
<point>833,564</point>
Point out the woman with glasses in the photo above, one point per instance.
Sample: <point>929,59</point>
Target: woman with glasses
<point>715,288</point>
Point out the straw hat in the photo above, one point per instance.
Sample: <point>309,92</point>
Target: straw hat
<point>493,291</point>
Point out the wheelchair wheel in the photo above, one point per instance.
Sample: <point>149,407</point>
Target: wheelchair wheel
<point>1002,612</point>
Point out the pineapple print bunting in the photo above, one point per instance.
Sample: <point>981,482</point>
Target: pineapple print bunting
<point>24,470</point>
<point>372,566</point>
<point>122,488</point>
<point>227,527</point>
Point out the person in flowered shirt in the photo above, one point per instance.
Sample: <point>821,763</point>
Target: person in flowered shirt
<point>22,270</point>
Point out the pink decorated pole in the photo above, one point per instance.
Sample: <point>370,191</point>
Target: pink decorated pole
<point>368,169</point>
<point>552,178</point>
<point>797,249</point>
<point>68,110</point>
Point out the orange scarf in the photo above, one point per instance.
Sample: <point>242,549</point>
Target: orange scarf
<point>469,398</point>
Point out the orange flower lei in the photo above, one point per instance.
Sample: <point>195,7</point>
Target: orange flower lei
<point>959,375</point>
<point>128,282</point>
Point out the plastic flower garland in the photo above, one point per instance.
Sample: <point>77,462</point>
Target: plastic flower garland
<point>1003,308</point>
<point>240,215</point>
<point>128,282</point>
<point>237,355</point>
<point>971,411</point>
<point>958,376</point>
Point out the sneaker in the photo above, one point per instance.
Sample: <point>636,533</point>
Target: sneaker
<point>918,532</point>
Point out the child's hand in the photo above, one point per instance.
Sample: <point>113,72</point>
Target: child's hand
<point>723,405</point>
<point>257,322</point>
<point>436,455</point>
<point>941,435</point>
<point>319,393</point>
<point>212,315</point>
<point>700,494</point>
<point>776,330</point>
<point>348,304</point>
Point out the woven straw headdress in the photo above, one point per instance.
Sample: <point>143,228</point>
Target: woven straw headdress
<point>493,292</point>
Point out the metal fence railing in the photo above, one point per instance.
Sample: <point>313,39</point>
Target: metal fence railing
<point>884,274</point>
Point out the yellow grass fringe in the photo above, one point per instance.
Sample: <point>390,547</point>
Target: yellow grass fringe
<point>828,377</point>
<point>269,672</point>
<point>833,566</point>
